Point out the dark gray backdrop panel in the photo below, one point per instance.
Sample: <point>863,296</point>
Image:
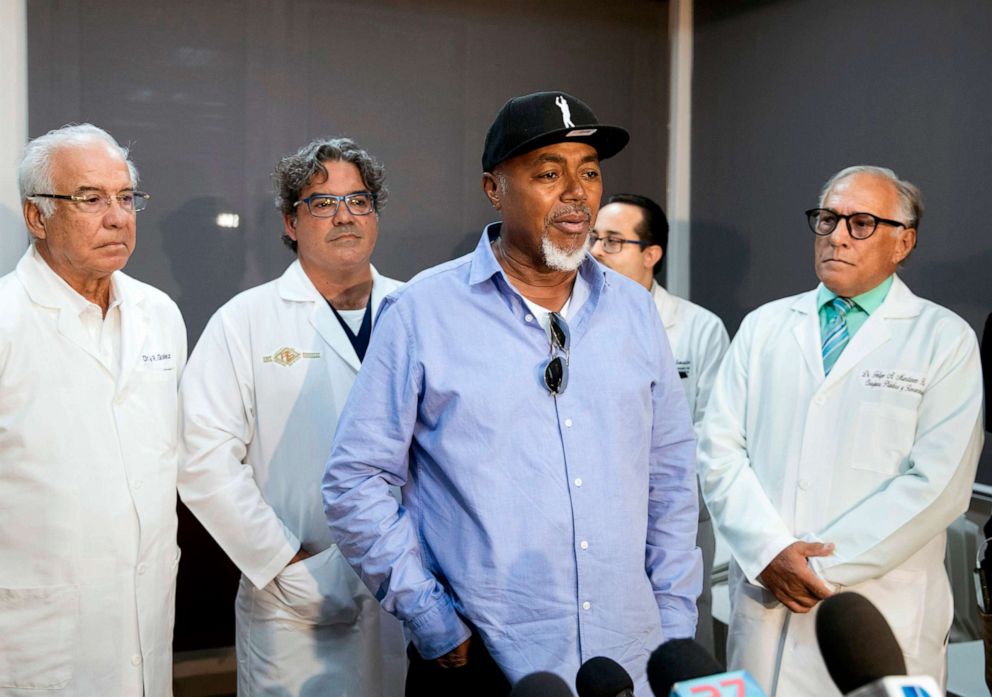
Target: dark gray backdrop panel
<point>211,94</point>
<point>786,93</point>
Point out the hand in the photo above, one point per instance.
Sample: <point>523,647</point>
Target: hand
<point>456,658</point>
<point>790,579</point>
<point>300,555</point>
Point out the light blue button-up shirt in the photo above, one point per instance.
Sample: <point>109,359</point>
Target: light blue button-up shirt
<point>561,527</point>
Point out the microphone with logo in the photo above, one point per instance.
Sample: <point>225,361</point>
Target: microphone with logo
<point>603,677</point>
<point>861,652</point>
<point>541,684</point>
<point>683,668</point>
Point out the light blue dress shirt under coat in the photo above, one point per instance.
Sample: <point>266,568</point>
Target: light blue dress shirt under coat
<point>562,528</point>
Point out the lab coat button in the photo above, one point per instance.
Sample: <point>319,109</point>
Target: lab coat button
<point>820,399</point>
<point>141,569</point>
<point>803,484</point>
<point>136,659</point>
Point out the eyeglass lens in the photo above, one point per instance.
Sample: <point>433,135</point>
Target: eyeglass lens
<point>326,205</point>
<point>556,371</point>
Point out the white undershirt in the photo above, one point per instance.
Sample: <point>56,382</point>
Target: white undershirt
<point>353,318</point>
<point>542,313</point>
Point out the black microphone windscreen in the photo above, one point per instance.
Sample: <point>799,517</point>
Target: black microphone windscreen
<point>541,685</point>
<point>856,642</point>
<point>602,677</point>
<point>676,661</point>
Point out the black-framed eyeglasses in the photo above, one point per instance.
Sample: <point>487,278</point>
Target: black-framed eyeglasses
<point>326,205</point>
<point>613,244</point>
<point>97,202</point>
<point>861,226</point>
<point>556,371</point>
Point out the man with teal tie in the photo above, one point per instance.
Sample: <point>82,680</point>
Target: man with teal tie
<point>841,438</point>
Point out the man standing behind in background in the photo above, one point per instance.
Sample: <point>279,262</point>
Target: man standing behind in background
<point>841,439</point>
<point>631,236</point>
<point>89,367</point>
<point>260,402</point>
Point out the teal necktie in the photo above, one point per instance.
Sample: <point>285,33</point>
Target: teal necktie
<point>835,336</point>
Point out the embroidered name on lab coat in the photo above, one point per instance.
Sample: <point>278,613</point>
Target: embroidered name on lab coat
<point>287,356</point>
<point>895,380</point>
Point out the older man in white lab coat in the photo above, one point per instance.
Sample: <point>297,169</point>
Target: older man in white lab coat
<point>631,236</point>
<point>260,401</point>
<point>841,439</point>
<point>89,368</point>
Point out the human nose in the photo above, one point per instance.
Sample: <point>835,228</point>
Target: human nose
<point>116,215</point>
<point>342,215</point>
<point>596,246</point>
<point>575,188</point>
<point>841,234</point>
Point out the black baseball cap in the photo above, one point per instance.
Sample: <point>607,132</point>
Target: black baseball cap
<point>535,120</point>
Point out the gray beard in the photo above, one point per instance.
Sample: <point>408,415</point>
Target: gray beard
<point>558,259</point>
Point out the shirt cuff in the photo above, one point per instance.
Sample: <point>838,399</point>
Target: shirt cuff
<point>438,630</point>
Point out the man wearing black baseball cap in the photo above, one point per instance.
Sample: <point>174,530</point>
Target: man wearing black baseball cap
<point>526,400</point>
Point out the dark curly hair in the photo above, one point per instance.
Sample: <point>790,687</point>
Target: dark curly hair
<point>295,171</point>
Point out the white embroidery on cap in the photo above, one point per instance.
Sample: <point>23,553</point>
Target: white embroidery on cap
<point>579,132</point>
<point>566,113</point>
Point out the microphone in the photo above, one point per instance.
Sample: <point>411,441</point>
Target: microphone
<point>541,684</point>
<point>681,667</point>
<point>603,677</point>
<point>861,653</point>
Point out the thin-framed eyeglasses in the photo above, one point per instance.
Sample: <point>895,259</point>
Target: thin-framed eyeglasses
<point>93,202</point>
<point>613,244</point>
<point>861,226</point>
<point>556,371</point>
<point>326,205</point>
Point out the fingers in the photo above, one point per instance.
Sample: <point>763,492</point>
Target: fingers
<point>816,549</point>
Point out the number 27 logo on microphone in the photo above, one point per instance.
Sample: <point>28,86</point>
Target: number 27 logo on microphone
<point>730,687</point>
<point>735,684</point>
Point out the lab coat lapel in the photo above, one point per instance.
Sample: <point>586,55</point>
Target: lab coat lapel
<point>296,285</point>
<point>134,329</point>
<point>37,281</point>
<point>806,332</point>
<point>900,303</point>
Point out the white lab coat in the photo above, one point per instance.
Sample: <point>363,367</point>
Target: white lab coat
<point>88,551</point>
<point>260,401</point>
<point>877,458</point>
<point>699,340</point>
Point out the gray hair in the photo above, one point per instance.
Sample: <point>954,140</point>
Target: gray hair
<point>909,194</point>
<point>35,175</point>
<point>295,172</point>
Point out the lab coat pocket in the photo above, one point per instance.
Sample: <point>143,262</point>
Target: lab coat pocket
<point>37,636</point>
<point>883,436</point>
<point>322,589</point>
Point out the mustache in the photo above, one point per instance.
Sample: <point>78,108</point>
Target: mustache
<point>569,209</point>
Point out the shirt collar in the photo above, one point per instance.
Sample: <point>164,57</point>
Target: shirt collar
<point>868,301</point>
<point>65,295</point>
<point>588,283</point>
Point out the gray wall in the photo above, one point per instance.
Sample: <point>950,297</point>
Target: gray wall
<point>786,93</point>
<point>211,94</point>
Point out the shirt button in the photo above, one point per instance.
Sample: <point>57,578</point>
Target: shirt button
<point>119,398</point>
<point>568,423</point>
<point>136,485</point>
<point>141,569</point>
<point>803,484</point>
<point>584,544</point>
<point>586,605</point>
<point>578,481</point>
<point>529,317</point>
<point>136,659</point>
<point>819,400</point>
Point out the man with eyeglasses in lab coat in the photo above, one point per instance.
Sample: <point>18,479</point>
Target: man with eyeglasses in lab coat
<point>260,401</point>
<point>89,369</point>
<point>840,440</point>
